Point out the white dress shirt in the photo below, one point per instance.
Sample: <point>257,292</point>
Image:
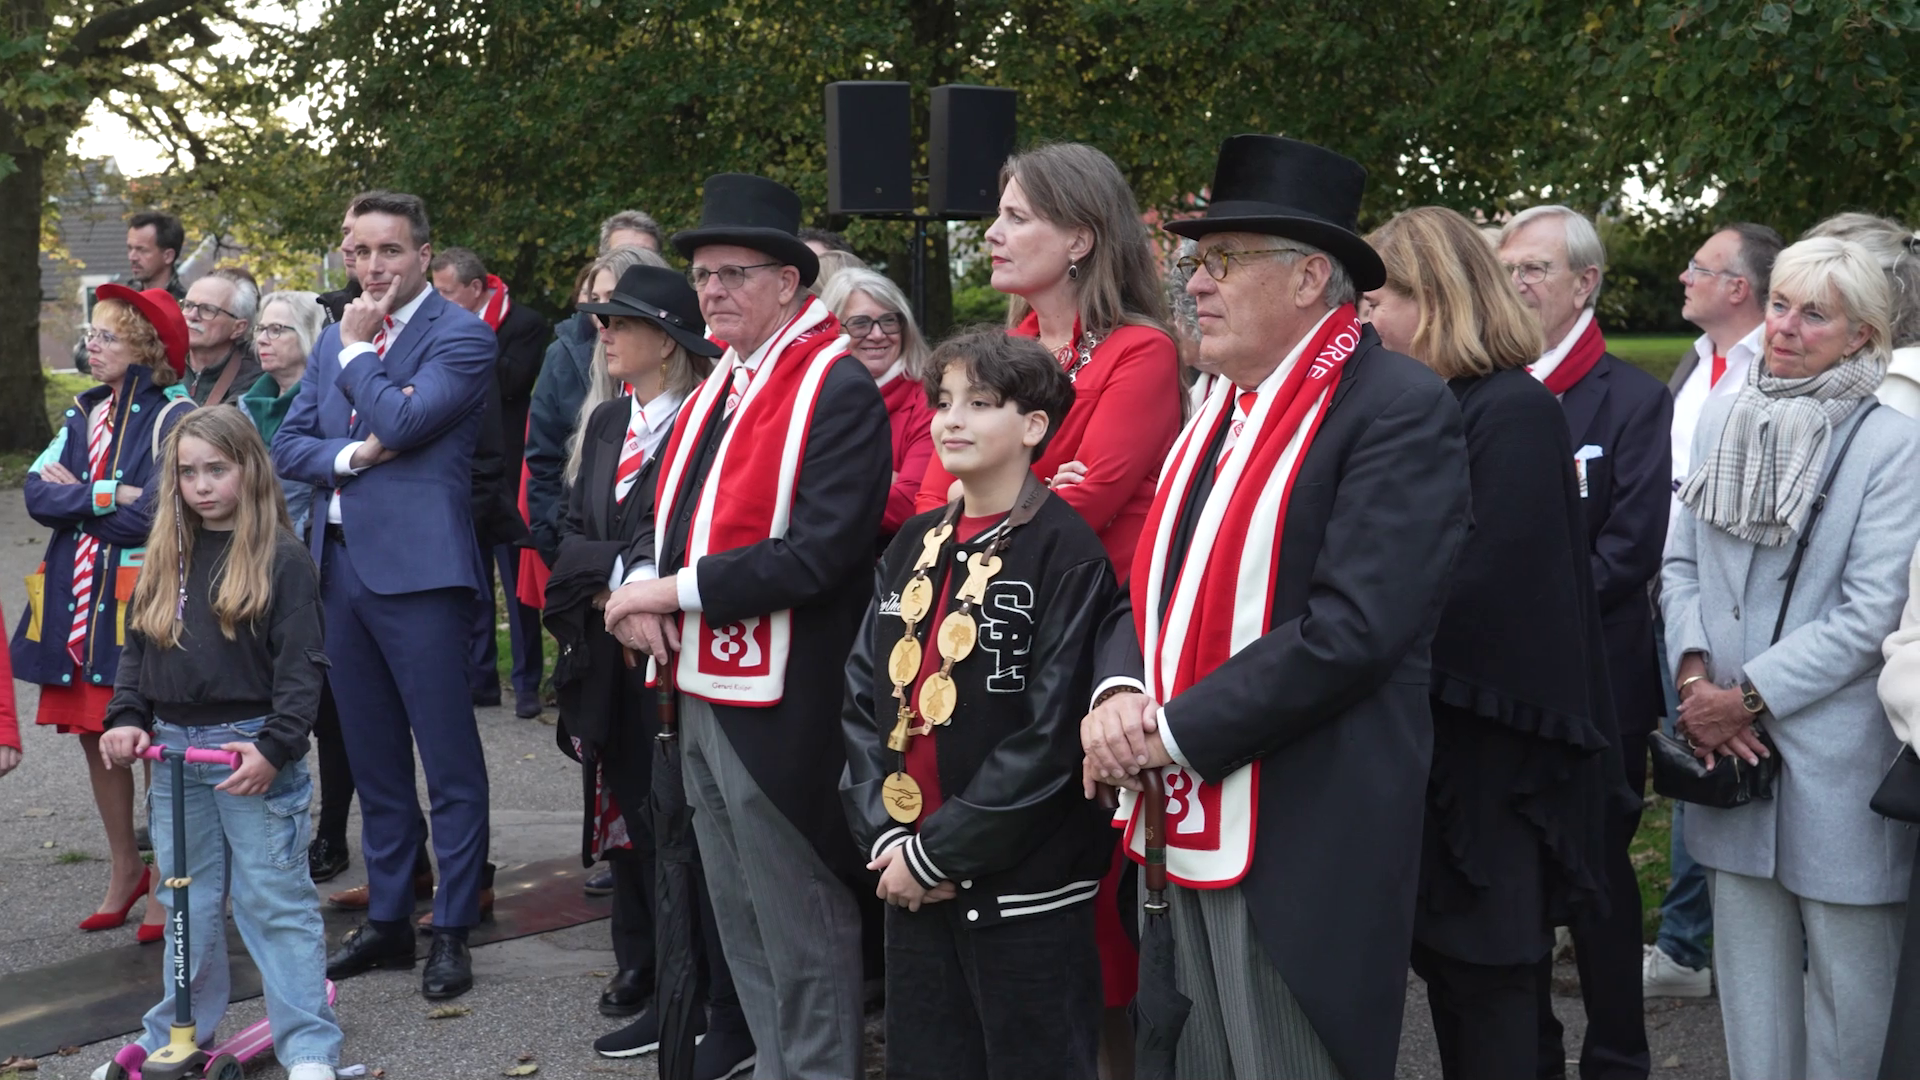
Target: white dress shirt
<point>687,581</point>
<point>1699,389</point>
<point>653,421</point>
<point>343,461</point>
<point>1557,355</point>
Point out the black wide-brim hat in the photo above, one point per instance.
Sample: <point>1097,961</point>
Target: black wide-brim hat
<point>752,212</point>
<point>662,297</point>
<point>1285,187</point>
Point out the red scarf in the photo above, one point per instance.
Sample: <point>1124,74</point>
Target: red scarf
<point>747,497</point>
<point>1586,352</point>
<point>498,305</point>
<point>1222,598</point>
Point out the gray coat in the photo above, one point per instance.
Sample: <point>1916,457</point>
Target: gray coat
<point>1720,596</point>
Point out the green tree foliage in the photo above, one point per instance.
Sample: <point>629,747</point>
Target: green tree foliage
<point>173,69</point>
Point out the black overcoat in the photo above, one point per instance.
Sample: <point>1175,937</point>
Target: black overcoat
<point>1333,700</point>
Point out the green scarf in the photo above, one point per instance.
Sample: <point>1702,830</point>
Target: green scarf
<point>267,405</point>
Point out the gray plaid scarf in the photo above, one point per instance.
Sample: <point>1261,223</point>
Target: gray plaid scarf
<point>1760,481</point>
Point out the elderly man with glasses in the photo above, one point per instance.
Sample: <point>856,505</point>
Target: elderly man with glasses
<point>1619,418</point>
<point>772,486</point>
<point>220,310</point>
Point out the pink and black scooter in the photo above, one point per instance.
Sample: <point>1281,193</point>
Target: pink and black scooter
<point>182,1058</point>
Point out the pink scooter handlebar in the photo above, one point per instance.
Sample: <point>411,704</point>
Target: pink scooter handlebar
<point>195,756</point>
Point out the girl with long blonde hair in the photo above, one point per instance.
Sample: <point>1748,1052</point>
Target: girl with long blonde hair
<point>225,651</point>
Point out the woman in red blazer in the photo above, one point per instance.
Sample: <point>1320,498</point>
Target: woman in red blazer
<point>1069,248</point>
<point>887,342</point>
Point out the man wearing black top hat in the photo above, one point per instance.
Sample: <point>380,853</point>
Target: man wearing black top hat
<point>1287,589</point>
<point>771,487</point>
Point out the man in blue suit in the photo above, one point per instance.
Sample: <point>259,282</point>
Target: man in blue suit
<point>385,427</point>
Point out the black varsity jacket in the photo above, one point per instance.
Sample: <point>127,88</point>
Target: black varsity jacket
<point>1014,832</point>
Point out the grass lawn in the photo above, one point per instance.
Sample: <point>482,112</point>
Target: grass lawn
<point>61,388</point>
<point>1649,853</point>
<point>1655,354</point>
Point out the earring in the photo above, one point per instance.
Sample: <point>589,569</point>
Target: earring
<point>1073,271</point>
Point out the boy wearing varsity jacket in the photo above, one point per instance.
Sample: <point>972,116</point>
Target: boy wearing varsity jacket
<point>965,690</point>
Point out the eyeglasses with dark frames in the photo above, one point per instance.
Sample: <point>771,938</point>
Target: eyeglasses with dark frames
<point>889,324</point>
<point>731,277</point>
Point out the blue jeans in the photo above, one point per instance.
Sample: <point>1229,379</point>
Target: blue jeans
<point>254,848</point>
<point>1686,915</point>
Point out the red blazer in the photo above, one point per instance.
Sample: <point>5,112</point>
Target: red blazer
<point>911,419</point>
<point>1125,415</point>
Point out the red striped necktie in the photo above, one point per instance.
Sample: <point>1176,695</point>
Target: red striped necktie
<point>631,458</point>
<point>1243,408</point>
<point>380,350</point>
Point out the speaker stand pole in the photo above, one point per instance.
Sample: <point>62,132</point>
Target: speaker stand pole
<point>917,275</point>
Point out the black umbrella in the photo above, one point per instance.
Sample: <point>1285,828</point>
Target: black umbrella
<point>1159,1009</point>
<point>676,923</point>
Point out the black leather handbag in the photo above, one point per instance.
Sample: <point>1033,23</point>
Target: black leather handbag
<point>1899,794</point>
<point>1677,774</point>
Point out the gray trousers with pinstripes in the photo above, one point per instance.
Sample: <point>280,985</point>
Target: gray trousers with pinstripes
<point>1245,1023</point>
<point>789,927</point>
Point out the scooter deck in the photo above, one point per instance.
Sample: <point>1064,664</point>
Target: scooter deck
<point>252,1041</point>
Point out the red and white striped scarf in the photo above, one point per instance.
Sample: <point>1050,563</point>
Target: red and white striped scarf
<point>1222,598</point>
<point>86,553</point>
<point>498,305</point>
<point>747,496</point>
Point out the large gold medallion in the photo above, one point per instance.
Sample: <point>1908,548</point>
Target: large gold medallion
<point>902,795</point>
<point>916,599</point>
<point>904,663</point>
<point>958,635</point>
<point>938,697</point>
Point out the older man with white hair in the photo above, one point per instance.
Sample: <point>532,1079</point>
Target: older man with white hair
<point>220,310</point>
<point>1272,658</point>
<point>1619,418</point>
<point>771,490</point>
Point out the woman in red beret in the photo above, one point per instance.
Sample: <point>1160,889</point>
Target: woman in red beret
<point>91,487</point>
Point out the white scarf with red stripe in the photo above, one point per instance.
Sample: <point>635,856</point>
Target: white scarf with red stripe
<point>1222,598</point>
<point>747,496</point>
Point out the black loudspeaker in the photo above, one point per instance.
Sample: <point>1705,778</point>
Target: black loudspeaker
<point>869,148</point>
<point>972,136</point>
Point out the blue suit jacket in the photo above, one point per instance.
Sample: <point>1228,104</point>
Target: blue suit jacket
<point>408,522</point>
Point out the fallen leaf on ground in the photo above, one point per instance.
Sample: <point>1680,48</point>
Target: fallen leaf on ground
<point>379,1074</point>
<point>525,1055</point>
<point>37,811</point>
<point>68,1051</point>
<point>522,1070</point>
<point>599,974</point>
<point>527,757</point>
<point>47,844</point>
<point>448,1012</point>
<point>1671,1063</point>
<point>19,1064</point>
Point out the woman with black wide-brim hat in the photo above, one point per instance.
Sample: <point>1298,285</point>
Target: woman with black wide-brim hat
<point>655,345</point>
<point>90,487</point>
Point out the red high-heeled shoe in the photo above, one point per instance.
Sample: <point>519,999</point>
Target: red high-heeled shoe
<point>107,920</point>
<point>147,934</point>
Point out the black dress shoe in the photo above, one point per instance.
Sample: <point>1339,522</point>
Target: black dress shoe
<point>600,884</point>
<point>449,970</point>
<point>641,1037</point>
<point>726,1051</point>
<point>526,708</point>
<point>625,995</point>
<point>486,699</point>
<point>367,948</point>
<point>326,859</point>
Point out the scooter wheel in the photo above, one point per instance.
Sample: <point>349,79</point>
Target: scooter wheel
<point>224,1067</point>
<point>117,1071</point>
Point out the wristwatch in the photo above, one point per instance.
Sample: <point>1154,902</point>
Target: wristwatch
<point>1751,698</point>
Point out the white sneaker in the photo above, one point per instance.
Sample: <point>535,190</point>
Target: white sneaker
<point>101,1072</point>
<point>309,1070</point>
<point>1663,976</point>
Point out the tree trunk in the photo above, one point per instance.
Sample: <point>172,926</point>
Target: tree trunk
<point>23,412</point>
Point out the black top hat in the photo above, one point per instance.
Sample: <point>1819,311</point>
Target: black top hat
<point>753,212</point>
<point>664,298</point>
<point>1284,187</point>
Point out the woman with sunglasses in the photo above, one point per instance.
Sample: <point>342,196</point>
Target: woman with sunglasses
<point>886,340</point>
